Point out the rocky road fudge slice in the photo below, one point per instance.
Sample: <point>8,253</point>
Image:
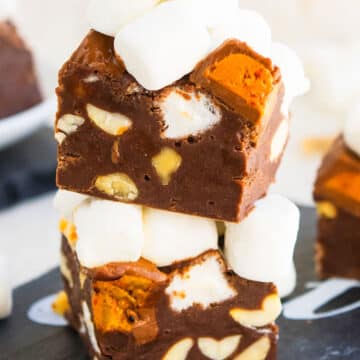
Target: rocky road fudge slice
<point>337,194</point>
<point>208,145</point>
<point>18,86</point>
<point>138,311</point>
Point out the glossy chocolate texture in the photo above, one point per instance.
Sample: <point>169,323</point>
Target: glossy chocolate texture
<point>338,186</point>
<point>167,327</point>
<point>223,171</point>
<point>18,86</point>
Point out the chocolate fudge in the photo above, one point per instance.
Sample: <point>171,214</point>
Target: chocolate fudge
<point>337,194</point>
<point>126,311</point>
<point>116,142</point>
<point>19,89</point>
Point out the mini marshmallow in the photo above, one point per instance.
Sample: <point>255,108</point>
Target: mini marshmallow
<point>352,129</point>
<point>186,113</point>
<point>279,140</point>
<point>261,247</point>
<point>213,12</point>
<point>247,26</point>
<point>163,45</point>
<point>202,284</point>
<point>109,16</point>
<point>108,232</point>
<point>171,237</point>
<point>5,289</point>
<point>292,73</point>
<point>66,202</point>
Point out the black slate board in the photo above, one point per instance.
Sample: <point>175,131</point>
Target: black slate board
<point>326,339</point>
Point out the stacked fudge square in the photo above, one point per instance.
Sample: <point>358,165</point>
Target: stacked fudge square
<point>337,194</point>
<point>172,120</point>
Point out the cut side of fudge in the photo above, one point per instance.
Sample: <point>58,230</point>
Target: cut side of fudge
<point>207,145</point>
<point>139,311</point>
<point>337,194</point>
<point>18,87</point>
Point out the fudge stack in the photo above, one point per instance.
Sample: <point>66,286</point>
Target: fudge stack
<point>172,122</point>
<point>337,195</point>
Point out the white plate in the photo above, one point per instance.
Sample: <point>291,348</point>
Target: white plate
<point>16,127</point>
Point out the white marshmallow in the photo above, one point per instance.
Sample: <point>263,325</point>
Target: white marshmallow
<point>66,202</point>
<point>352,129</point>
<point>186,116</point>
<point>7,9</point>
<point>171,237</point>
<point>109,16</point>
<point>108,232</point>
<point>292,72</point>
<point>247,26</point>
<point>5,289</point>
<point>279,140</point>
<point>203,284</point>
<point>213,12</point>
<point>163,45</point>
<point>261,247</point>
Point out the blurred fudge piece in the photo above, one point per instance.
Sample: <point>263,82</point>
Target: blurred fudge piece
<point>18,87</point>
<point>208,144</point>
<point>337,194</point>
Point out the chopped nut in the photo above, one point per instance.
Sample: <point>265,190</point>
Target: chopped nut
<point>271,309</point>
<point>257,351</point>
<point>65,271</point>
<point>180,350</point>
<point>118,185</point>
<point>67,125</point>
<point>166,163</point>
<point>219,350</point>
<point>326,209</point>
<point>112,123</point>
<point>61,304</point>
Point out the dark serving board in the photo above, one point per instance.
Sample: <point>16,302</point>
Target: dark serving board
<point>327,339</point>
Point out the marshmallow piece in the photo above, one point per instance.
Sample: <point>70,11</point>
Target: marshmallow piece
<point>188,113</point>
<point>261,247</point>
<point>292,72</point>
<point>163,45</point>
<point>5,289</point>
<point>213,12</point>
<point>279,140</point>
<point>109,16</point>
<point>108,232</point>
<point>352,130</point>
<point>7,9</point>
<point>66,202</point>
<point>171,237</point>
<point>202,284</point>
<point>247,26</point>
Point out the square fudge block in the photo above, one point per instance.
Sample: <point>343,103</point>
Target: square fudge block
<point>337,194</point>
<point>18,89</point>
<point>208,145</point>
<point>138,311</point>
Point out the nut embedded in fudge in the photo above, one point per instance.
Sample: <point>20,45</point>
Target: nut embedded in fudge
<point>337,194</point>
<point>202,146</point>
<point>141,311</point>
<point>18,88</point>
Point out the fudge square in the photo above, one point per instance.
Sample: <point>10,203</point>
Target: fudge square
<point>19,88</point>
<point>337,194</point>
<point>138,311</point>
<point>120,141</point>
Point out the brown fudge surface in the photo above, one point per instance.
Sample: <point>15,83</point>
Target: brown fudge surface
<point>18,86</point>
<point>337,193</point>
<point>223,171</point>
<point>166,327</point>
<point>338,246</point>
